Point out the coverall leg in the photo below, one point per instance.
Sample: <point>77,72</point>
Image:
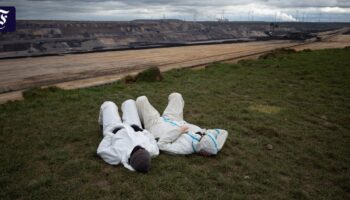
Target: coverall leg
<point>174,110</point>
<point>109,117</point>
<point>148,114</point>
<point>130,115</point>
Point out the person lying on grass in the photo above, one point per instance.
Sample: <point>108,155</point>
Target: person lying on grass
<point>174,134</point>
<point>125,142</point>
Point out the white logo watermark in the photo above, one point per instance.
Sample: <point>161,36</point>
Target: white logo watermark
<point>3,18</point>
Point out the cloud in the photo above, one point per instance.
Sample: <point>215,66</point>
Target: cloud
<point>335,10</point>
<point>291,10</point>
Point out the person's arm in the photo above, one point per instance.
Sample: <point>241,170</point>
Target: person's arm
<point>126,164</point>
<point>153,147</point>
<point>179,147</point>
<point>106,151</point>
<point>172,135</point>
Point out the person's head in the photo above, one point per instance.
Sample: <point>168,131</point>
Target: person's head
<point>140,159</point>
<point>207,145</point>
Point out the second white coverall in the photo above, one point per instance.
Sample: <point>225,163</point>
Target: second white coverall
<point>166,128</point>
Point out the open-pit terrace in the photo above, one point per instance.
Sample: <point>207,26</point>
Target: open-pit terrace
<point>37,38</point>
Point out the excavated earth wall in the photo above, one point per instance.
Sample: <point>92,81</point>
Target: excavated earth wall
<point>37,38</point>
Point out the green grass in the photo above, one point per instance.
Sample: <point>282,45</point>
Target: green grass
<point>299,103</point>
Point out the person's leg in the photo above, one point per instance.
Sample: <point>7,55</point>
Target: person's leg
<point>174,110</point>
<point>130,115</point>
<point>148,114</point>
<point>109,117</point>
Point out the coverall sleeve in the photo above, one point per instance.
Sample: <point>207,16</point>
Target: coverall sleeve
<point>106,152</point>
<point>153,147</point>
<point>179,145</point>
<point>170,137</point>
<point>126,165</point>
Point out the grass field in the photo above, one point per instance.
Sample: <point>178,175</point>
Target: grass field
<point>297,102</point>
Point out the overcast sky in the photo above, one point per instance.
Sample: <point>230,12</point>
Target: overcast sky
<point>233,10</point>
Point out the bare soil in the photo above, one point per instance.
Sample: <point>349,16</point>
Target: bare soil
<point>22,73</point>
<point>85,70</point>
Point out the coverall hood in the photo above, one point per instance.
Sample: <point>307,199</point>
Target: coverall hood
<point>208,144</point>
<point>140,160</point>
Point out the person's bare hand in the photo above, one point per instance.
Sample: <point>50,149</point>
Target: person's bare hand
<point>183,129</point>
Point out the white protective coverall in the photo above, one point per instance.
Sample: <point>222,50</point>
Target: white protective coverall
<point>166,128</point>
<point>116,148</point>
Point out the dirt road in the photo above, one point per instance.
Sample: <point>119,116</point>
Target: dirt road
<point>83,70</point>
<point>22,73</point>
